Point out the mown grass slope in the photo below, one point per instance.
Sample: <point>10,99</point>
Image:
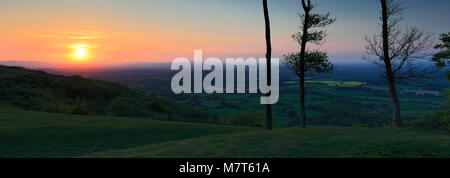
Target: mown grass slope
<point>301,143</point>
<point>38,134</point>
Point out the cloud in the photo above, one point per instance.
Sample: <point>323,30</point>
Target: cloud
<point>81,35</point>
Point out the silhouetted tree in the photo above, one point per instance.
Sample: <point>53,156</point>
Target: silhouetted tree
<point>442,58</point>
<point>268,57</point>
<point>398,52</point>
<point>308,62</point>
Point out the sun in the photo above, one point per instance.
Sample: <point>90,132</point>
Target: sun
<point>80,52</point>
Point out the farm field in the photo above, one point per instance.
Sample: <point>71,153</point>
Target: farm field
<point>339,103</point>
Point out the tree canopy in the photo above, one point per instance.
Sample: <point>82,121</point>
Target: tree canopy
<point>315,62</point>
<point>442,58</point>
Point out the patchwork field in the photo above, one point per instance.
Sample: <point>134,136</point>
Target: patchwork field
<point>339,103</point>
<point>331,83</point>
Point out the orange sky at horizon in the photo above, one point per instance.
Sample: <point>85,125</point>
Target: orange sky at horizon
<point>112,47</point>
<point>106,47</point>
<point>119,31</point>
<point>48,34</point>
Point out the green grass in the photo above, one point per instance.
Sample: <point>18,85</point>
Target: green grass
<point>328,142</point>
<point>39,134</point>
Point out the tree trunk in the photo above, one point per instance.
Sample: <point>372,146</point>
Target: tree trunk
<point>268,57</point>
<point>396,120</point>
<point>306,8</point>
<point>302,122</point>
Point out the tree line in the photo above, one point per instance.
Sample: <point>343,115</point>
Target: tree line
<point>397,51</point>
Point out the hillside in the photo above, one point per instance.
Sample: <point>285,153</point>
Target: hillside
<point>40,91</point>
<point>298,143</point>
<point>39,134</point>
<point>352,95</point>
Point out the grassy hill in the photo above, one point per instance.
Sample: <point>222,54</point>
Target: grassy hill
<point>40,91</point>
<point>39,134</point>
<point>44,115</point>
<point>298,143</point>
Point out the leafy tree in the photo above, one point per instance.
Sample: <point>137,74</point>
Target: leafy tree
<point>268,57</point>
<point>442,58</point>
<point>398,52</point>
<point>308,62</point>
<point>315,62</point>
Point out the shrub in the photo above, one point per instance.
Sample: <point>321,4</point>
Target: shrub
<point>246,118</point>
<point>120,107</point>
<point>155,106</point>
<point>436,120</point>
<point>402,149</point>
<point>359,124</point>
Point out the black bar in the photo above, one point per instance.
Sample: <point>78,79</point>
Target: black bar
<point>277,167</point>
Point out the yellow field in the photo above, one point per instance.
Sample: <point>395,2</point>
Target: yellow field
<point>332,83</point>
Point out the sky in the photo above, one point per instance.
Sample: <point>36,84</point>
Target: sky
<point>99,32</point>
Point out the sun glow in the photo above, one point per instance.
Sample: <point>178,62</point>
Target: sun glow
<point>80,52</point>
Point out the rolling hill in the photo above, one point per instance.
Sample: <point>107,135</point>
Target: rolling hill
<point>44,115</point>
<point>40,91</point>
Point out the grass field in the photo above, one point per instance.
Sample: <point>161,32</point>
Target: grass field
<point>39,134</point>
<point>345,100</point>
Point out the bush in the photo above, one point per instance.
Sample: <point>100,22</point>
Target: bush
<point>246,118</point>
<point>436,120</point>
<point>360,125</point>
<point>120,107</point>
<point>85,108</point>
<point>402,149</point>
<point>155,106</point>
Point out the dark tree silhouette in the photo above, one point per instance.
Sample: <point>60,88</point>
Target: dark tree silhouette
<point>315,62</point>
<point>308,62</point>
<point>398,52</point>
<point>442,58</point>
<point>268,57</point>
